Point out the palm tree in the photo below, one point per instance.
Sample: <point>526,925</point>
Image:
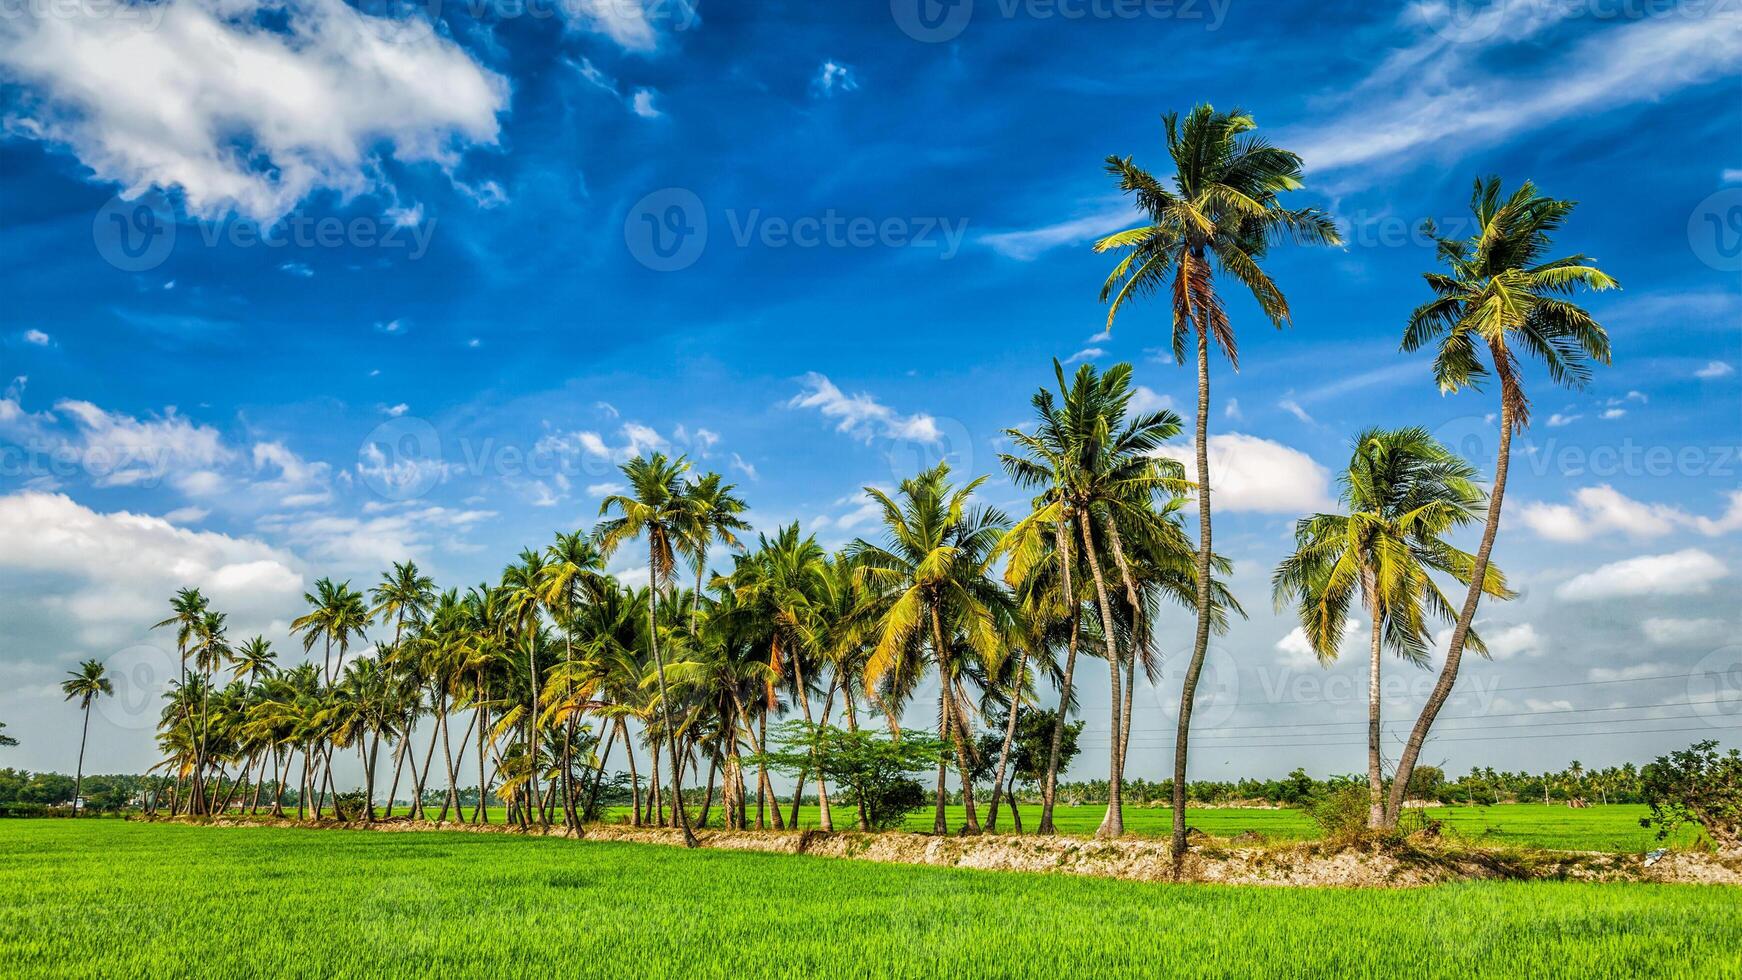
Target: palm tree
<point>574,568</point>
<point>188,608</point>
<point>525,584</point>
<point>1223,206</point>
<point>657,510</point>
<point>1095,466</point>
<point>1502,293</point>
<point>931,583</point>
<point>88,683</point>
<point>338,615</point>
<point>254,660</point>
<point>6,741</point>
<point>405,593</point>
<point>713,516</point>
<point>1404,492</point>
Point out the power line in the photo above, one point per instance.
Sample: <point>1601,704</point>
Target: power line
<point>1480,738</point>
<point>1510,689</point>
<point>1362,722</point>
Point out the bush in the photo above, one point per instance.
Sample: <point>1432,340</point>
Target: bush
<point>870,770</point>
<point>1341,814</point>
<point>1696,785</point>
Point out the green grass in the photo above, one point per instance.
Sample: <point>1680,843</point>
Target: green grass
<point>113,899</point>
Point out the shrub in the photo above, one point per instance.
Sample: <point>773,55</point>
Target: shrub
<point>869,769</point>
<point>1697,785</point>
<point>1341,814</point>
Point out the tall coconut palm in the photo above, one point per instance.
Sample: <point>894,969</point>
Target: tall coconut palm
<point>404,594</point>
<point>931,586</point>
<point>655,509</point>
<point>254,660</point>
<point>714,511</point>
<point>1500,298</point>
<point>1096,467</point>
<point>526,589</point>
<point>574,569</point>
<point>1403,492</point>
<point>338,614</point>
<point>188,607</point>
<point>6,741</point>
<point>1221,212</point>
<point>88,683</point>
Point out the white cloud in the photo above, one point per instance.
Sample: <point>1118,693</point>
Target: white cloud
<point>1715,370</point>
<point>1232,409</point>
<point>1687,572</point>
<point>107,574</point>
<point>1614,413</point>
<point>1145,400</point>
<point>603,489</point>
<point>317,92</point>
<point>1297,651</point>
<point>1603,510</point>
<point>641,103</point>
<point>833,77</point>
<point>1557,420</point>
<point>627,22</point>
<point>862,415</point>
<point>37,337</point>
<point>1506,642</point>
<point>1248,473</point>
<point>395,411</point>
<point>362,545</point>
<point>293,481</point>
<point>1086,354</point>
<point>1293,408</point>
<point>120,450</point>
<point>1439,93</point>
<point>1667,631</point>
<point>1027,245</point>
<point>1627,673</point>
<point>743,466</point>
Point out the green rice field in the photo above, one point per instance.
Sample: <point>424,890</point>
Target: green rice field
<point>116,899</point>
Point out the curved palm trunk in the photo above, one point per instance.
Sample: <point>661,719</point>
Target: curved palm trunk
<point>957,728</point>
<point>1375,769</point>
<point>481,813</point>
<point>804,701</point>
<point>1201,639</point>
<point>678,814</point>
<point>1009,739</point>
<point>1049,787</point>
<point>1455,651</point>
<point>79,779</point>
<point>634,777</point>
<point>537,800</point>
<point>1113,824</point>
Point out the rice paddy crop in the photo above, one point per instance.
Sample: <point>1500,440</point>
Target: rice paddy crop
<point>114,899</point>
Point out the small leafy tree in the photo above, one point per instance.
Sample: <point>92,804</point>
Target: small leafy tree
<point>1696,785</point>
<point>874,772</point>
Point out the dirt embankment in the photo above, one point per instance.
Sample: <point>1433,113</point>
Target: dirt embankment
<point>1211,860</point>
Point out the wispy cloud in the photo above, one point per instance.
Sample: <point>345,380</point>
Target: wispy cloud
<point>862,415</point>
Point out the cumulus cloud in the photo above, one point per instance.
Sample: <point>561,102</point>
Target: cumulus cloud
<point>1603,510</point>
<point>107,573</point>
<point>1145,400</point>
<point>862,415</point>
<point>385,534</point>
<point>1506,642</point>
<point>37,337</point>
<point>1668,631</point>
<point>120,450</point>
<point>1687,572</point>
<point>1715,370</point>
<point>248,106</point>
<point>1248,473</point>
<point>1297,651</point>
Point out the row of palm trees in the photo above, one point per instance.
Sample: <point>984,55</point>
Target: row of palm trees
<point>956,602</point>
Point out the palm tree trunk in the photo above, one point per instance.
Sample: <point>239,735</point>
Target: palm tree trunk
<point>532,732</point>
<point>1455,651</point>
<point>599,775</point>
<point>634,778</point>
<point>1139,639</point>
<point>1009,740</point>
<point>804,701</point>
<point>79,779</point>
<point>1375,771</point>
<point>481,813</point>
<point>1049,787</point>
<point>453,799</point>
<point>955,725</point>
<point>682,818</point>
<point>708,800</point>
<point>1113,824</point>
<point>1200,639</point>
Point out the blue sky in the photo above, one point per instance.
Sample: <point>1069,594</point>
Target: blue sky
<point>295,289</point>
